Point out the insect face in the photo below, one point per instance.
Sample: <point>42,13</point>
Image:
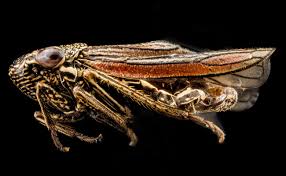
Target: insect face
<point>48,65</point>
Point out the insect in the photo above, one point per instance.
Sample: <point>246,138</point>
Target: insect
<point>71,82</point>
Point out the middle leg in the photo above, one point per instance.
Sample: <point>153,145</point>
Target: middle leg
<point>108,116</point>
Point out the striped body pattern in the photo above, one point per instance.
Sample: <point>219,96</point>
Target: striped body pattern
<point>73,82</point>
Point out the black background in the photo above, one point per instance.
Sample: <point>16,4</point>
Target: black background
<point>255,136</point>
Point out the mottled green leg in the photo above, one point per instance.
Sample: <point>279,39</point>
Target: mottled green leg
<point>106,115</point>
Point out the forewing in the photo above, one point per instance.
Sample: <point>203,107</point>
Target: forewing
<point>246,82</point>
<point>124,53</point>
<point>161,59</point>
<point>252,77</point>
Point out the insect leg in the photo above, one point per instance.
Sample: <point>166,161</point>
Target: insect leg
<point>49,100</point>
<point>40,92</point>
<point>161,95</point>
<point>156,105</point>
<point>210,125</point>
<point>112,118</point>
<point>183,97</point>
<point>109,99</point>
<point>219,99</point>
<point>188,97</point>
<point>68,130</point>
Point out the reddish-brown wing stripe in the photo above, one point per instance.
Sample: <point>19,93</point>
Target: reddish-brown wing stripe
<point>146,65</point>
<point>166,70</point>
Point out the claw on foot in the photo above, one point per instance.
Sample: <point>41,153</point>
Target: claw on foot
<point>133,138</point>
<point>66,149</point>
<point>91,140</point>
<point>221,139</point>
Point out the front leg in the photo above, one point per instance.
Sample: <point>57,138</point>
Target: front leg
<point>43,91</point>
<point>68,130</point>
<point>51,101</point>
<point>108,116</point>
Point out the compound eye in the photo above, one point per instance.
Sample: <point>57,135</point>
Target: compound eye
<point>50,57</point>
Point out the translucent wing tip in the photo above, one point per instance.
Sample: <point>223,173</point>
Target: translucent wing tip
<point>263,52</point>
